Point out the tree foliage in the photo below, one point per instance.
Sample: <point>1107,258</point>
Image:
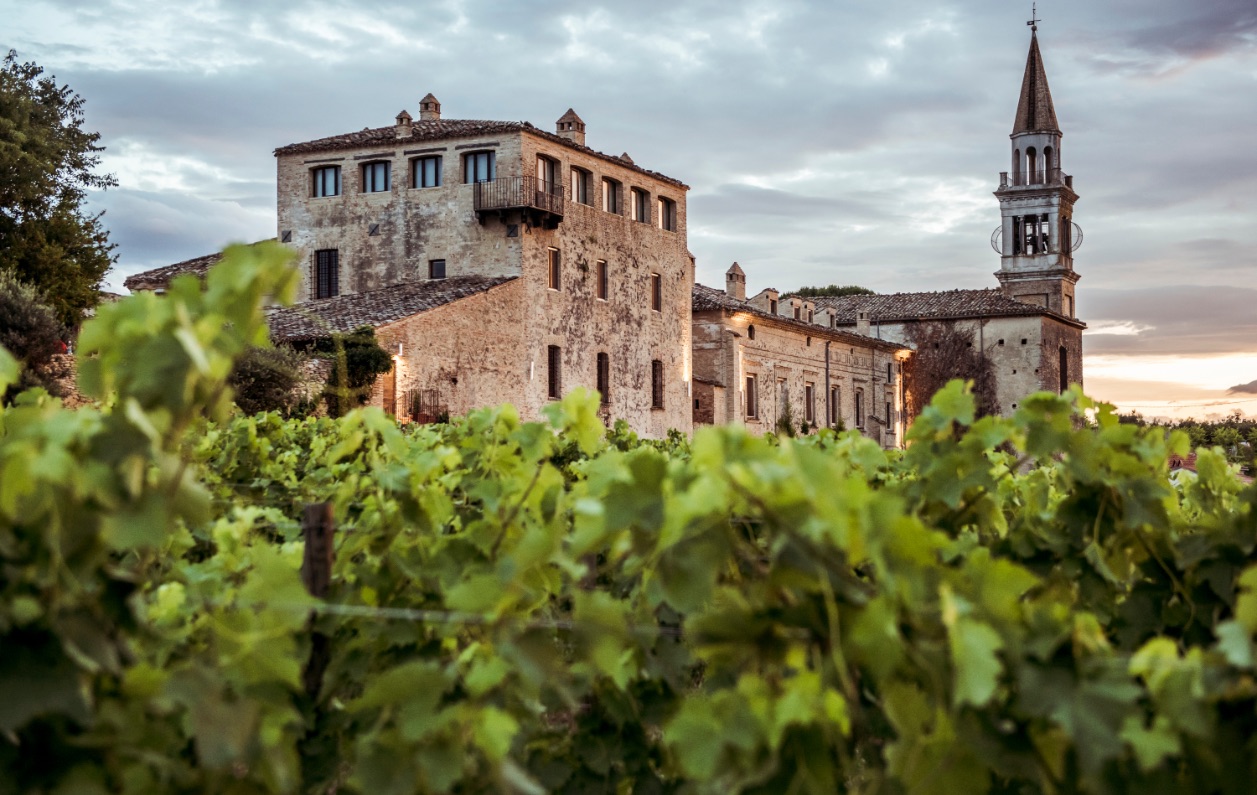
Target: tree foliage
<point>357,360</point>
<point>831,291</point>
<point>47,166</point>
<point>1011,605</point>
<point>944,352</point>
<point>30,331</point>
<point>266,379</point>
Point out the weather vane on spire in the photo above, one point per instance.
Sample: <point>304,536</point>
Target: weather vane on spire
<point>1034,17</point>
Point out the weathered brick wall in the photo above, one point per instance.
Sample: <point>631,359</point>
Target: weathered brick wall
<point>782,359</point>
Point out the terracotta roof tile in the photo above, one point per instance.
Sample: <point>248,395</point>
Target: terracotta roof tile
<point>707,299</point>
<point>948,304</point>
<point>160,278</point>
<point>439,129</point>
<point>344,313</point>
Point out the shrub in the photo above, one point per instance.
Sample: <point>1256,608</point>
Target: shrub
<point>30,331</point>
<point>356,361</point>
<point>265,379</point>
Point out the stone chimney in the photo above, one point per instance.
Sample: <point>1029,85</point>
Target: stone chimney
<point>735,283</point>
<point>429,109</point>
<point>403,125</point>
<point>571,127</point>
<point>862,324</point>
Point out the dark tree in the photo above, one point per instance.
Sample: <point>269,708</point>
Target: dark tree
<point>30,331</point>
<point>944,352</point>
<point>356,361</point>
<point>264,379</point>
<point>831,291</point>
<point>47,166</point>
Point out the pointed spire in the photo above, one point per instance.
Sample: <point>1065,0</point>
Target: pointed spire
<point>1035,112</point>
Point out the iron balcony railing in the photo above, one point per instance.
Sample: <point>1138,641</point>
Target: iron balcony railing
<point>514,193</point>
<point>1049,176</point>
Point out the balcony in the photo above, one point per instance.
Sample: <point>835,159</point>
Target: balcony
<point>1031,179</point>
<point>540,203</point>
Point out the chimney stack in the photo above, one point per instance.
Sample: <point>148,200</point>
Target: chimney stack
<point>735,282</point>
<point>571,127</point>
<point>403,125</point>
<point>862,324</point>
<point>429,109</point>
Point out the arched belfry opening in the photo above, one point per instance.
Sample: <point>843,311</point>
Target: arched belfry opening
<point>1049,168</point>
<point>1032,166</point>
<point>1016,166</point>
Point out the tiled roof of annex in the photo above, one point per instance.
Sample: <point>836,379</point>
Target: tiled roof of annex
<point>440,129</point>
<point>315,319</point>
<point>708,299</point>
<point>160,278</point>
<point>944,305</point>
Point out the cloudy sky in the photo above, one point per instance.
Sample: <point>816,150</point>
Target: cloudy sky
<point>852,142</point>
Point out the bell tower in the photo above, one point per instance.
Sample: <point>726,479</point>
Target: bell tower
<point>1037,236</point>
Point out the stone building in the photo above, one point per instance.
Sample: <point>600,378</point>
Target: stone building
<point>757,361</point>
<point>1027,328</point>
<point>501,263</point>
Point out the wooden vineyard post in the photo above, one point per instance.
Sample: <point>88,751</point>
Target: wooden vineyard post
<point>319,530</point>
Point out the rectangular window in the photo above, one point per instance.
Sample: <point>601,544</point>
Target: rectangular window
<point>667,214</point>
<point>797,313</point>
<point>326,273</point>
<point>656,384</point>
<point>548,176</point>
<point>859,408</point>
<point>478,167</point>
<point>809,403</point>
<point>890,376</point>
<point>603,286</point>
<point>580,186</point>
<point>639,205</point>
<point>427,172</point>
<point>604,378</point>
<point>656,292</point>
<point>772,306</point>
<point>436,269</point>
<point>554,371</point>
<point>752,397</point>
<point>889,419</point>
<point>611,196</point>
<point>835,405</point>
<point>375,177</point>
<point>326,181</point>
<point>554,269</point>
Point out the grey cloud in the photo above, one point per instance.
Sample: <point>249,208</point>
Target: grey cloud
<point>1180,320</point>
<point>1247,389</point>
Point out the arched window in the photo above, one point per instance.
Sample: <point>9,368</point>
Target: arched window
<point>1064,369</point>
<point>1016,166</point>
<point>1048,166</point>
<point>750,332</point>
<point>1032,167</point>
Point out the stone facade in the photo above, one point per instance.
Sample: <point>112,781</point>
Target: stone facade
<point>594,277</point>
<point>752,366</point>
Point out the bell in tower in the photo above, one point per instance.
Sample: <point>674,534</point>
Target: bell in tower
<point>1037,236</point>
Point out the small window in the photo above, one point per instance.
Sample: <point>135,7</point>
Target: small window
<point>656,292</point>
<point>750,332</point>
<point>436,269</point>
<point>809,403</point>
<point>604,378</point>
<point>1023,342</point>
<point>859,408</point>
<point>772,306</point>
<point>889,419</point>
<point>667,214</point>
<point>580,186</point>
<point>375,177</point>
<point>835,405</point>
<point>326,181</point>
<point>478,167</point>
<point>603,281</point>
<point>427,172</point>
<point>326,273</point>
<point>611,196</point>
<point>889,376</point>
<point>639,205</point>
<point>752,396</point>
<point>798,313</point>
<point>555,270</point>
<point>656,384</point>
<point>809,342</point>
<point>554,371</point>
